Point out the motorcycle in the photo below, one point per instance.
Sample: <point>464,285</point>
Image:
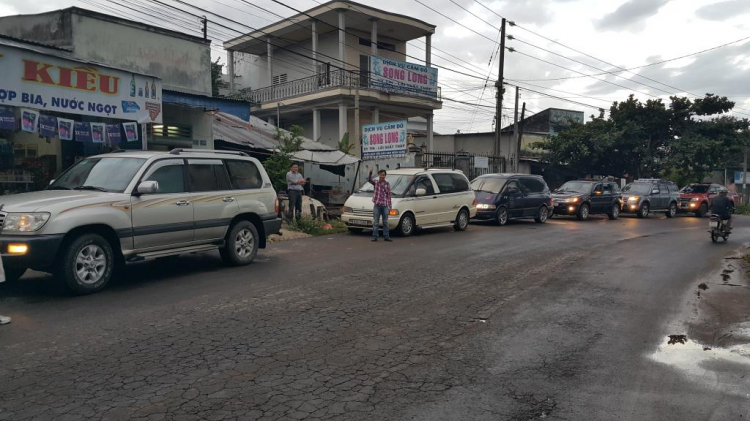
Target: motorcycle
<point>719,228</point>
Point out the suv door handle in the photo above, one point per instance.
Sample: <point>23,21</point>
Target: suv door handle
<point>182,203</point>
<point>228,199</point>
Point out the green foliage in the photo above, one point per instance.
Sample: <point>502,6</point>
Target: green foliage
<point>650,139</point>
<point>216,77</point>
<point>344,145</point>
<point>281,161</point>
<point>743,209</point>
<point>312,226</point>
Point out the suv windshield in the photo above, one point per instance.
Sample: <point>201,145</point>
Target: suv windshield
<point>488,184</point>
<point>99,174</point>
<point>399,184</point>
<point>640,188</point>
<point>695,188</point>
<point>574,187</point>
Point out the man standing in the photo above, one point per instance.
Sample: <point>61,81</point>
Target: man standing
<point>381,198</point>
<point>294,183</point>
<point>4,320</point>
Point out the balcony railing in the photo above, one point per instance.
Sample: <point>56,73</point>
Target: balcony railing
<point>321,82</point>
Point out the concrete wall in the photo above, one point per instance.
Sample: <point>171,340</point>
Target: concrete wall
<point>181,64</point>
<point>49,28</point>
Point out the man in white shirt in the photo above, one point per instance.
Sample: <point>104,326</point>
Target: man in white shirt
<point>294,183</point>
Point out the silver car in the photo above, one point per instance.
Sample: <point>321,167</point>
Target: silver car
<point>127,206</point>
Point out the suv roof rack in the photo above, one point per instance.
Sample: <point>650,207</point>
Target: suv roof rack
<point>652,180</point>
<point>178,151</point>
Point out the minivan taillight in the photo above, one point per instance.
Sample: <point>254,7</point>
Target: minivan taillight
<point>474,202</point>
<point>276,205</point>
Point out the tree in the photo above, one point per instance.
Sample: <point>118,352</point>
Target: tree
<point>279,163</point>
<point>216,71</point>
<point>344,145</point>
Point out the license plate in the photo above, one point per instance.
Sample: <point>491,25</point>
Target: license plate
<point>713,224</point>
<point>360,222</point>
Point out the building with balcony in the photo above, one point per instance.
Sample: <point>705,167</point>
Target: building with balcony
<point>314,68</point>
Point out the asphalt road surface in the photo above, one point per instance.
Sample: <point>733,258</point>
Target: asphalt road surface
<point>558,321</point>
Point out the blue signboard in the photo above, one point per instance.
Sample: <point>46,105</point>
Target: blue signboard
<point>400,76</point>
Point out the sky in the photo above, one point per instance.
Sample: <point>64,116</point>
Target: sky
<point>559,45</point>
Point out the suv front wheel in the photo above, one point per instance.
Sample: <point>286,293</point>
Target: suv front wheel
<point>241,244</point>
<point>672,210</point>
<point>86,264</point>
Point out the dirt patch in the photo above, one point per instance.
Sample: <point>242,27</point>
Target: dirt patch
<point>287,235</point>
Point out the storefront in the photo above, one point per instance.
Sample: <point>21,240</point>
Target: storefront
<point>56,109</point>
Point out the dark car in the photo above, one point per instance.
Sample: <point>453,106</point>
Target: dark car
<point>646,196</point>
<point>501,197</point>
<point>585,197</point>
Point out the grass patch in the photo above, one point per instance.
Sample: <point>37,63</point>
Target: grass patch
<point>317,226</point>
<point>743,209</point>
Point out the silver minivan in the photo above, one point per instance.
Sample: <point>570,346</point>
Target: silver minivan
<point>132,205</point>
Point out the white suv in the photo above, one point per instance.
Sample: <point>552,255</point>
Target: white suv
<point>131,205</point>
<point>421,198</point>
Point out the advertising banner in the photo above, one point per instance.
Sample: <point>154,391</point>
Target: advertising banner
<point>400,76</point>
<point>47,125</point>
<point>97,132</point>
<point>7,118</point>
<point>131,131</point>
<point>114,134</point>
<point>83,131</point>
<point>65,128</point>
<point>29,120</point>
<point>384,139</point>
<point>50,83</point>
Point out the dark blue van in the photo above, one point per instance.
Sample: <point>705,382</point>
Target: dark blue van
<point>501,197</point>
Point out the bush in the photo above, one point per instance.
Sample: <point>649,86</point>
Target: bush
<point>743,209</point>
<point>317,226</point>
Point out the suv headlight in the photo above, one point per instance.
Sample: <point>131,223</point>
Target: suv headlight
<point>25,222</point>
<point>633,199</point>
<point>572,200</point>
<point>695,199</point>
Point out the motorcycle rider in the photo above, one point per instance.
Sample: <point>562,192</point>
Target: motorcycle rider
<point>721,205</point>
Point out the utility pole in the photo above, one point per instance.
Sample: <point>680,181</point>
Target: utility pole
<point>514,145</point>
<point>499,86</point>
<point>355,139</point>
<point>520,136</point>
<point>205,27</point>
<point>278,115</point>
<point>744,179</point>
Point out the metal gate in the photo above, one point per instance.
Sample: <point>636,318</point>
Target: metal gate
<point>473,165</point>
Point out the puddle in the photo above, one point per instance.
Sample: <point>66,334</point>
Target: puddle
<point>703,287</point>
<point>699,360</point>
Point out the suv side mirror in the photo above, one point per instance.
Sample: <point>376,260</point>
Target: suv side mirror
<point>148,187</point>
<point>421,192</point>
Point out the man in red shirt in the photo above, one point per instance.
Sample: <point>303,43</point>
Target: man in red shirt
<point>381,199</point>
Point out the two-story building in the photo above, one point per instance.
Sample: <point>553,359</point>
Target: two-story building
<point>334,68</point>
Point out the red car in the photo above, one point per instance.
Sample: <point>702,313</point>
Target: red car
<point>696,198</point>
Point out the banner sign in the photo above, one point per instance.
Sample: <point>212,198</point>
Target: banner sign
<point>7,118</point>
<point>131,131</point>
<point>400,76</point>
<point>481,162</point>
<point>738,177</point>
<point>97,132</point>
<point>83,131</point>
<point>114,134</point>
<point>50,83</point>
<point>47,125</point>
<point>29,119</point>
<point>384,139</point>
<point>65,128</point>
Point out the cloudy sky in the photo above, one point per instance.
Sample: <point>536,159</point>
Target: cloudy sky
<point>603,36</point>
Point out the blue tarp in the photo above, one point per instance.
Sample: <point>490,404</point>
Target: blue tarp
<point>240,109</point>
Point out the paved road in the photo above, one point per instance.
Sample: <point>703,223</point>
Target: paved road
<point>528,321</point>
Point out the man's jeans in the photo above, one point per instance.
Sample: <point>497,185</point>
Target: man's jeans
<point>295,204</point>
<point>377,212</point>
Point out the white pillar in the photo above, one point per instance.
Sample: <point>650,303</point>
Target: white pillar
<point>343,121</point>
<point>374,38</point>
<point>270,61</point>
<point>375,115</point>
<point>230,70</point>
<point>316,125</point>
<point>315,47</point>
<point>342,38</point>
<point>429,131</point>
<point>271,121</point>
<point>428,51</point>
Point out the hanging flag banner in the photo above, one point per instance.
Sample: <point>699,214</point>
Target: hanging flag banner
<point>7,118</point>
<point>83,131</point>
<point>31,79</point>
<point>47,125</point>
<point>400,76</point>
<point>384,138</point>
<point>65,128</point>
<point>131,131</point>
<point>97,132</point>
<point>29,119</point>
<point>114,134</point>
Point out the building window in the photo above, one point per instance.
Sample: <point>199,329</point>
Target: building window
<point>278,79</point>
<point>381,45</point>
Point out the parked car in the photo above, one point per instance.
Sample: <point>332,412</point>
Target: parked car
<point>696,198</point>
<point>646,196</point>
<point>501,197</point>
<point>127,206</point>
<point>421,199</point>
<point>585,197</point>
